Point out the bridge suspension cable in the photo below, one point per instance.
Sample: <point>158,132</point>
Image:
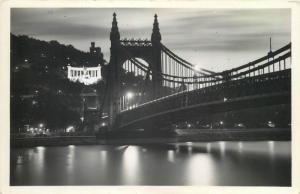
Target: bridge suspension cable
<point>178,75</point>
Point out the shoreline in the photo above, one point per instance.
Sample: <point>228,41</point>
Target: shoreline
<point>189,136</point>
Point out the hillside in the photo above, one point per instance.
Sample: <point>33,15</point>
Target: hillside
<point>40,91</point>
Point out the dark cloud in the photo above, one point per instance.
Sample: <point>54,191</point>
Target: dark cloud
<point>189,32</point>
<point>61,30</point>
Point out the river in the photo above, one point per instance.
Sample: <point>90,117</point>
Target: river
<point>261,163</point>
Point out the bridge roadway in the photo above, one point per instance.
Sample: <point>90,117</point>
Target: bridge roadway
<point>249,92</point>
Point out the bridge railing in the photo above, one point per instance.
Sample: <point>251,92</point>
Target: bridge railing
<point>275,82</point>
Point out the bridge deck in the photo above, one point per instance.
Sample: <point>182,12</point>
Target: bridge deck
<point>271,88</point>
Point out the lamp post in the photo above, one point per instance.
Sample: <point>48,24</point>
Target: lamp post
<point>129,96</point>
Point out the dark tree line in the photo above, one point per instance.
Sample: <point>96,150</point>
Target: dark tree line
<point>40,91</point>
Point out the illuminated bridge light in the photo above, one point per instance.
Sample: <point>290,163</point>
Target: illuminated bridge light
<point>129,95</point>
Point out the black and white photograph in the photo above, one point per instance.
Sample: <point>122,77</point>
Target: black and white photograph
<point>124,96</point>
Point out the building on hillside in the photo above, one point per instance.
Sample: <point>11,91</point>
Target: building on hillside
<point>96,56</point>
<point>88,75</point>
<point>85,75</point>
<point>91,110</point>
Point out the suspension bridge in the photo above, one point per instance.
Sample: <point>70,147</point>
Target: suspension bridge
<point>163,88</point>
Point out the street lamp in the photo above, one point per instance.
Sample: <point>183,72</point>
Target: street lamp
<point>221,124</point>
<point>129,96</point>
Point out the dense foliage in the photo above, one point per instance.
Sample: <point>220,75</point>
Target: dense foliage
<point>40,91</point>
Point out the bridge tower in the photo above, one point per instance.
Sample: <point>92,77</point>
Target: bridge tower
<point>113,77</point>
<point>122,50</point>
<point>156,65</point>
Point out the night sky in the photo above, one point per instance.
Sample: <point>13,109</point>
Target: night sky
<point>214,39</point>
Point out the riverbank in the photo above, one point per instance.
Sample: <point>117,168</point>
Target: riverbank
<point>184,135</point>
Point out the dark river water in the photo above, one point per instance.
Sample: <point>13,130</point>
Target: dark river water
<point>262,163</point>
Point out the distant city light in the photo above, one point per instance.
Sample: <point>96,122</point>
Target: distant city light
<point>225,99</point>
<point>271,124</point>
<point>103,124</point>
<point>82,119</point>
<point>34,102</point>
<point>70,129</point>
<point>188,125</point>
<point>240,125</point>
<point>189,143</point>
<point>26,60</point>
<point>41,125</point>
<point>221,122</point>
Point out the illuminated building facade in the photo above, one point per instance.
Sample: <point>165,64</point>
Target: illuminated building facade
<point>85,75</point>
<point>91,74</point>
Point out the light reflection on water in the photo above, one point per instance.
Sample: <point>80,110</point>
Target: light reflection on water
<point>200,169</point>
<point>70,159</point>
<point>191,163</point>
<point>171,156</point>
<point>103,156</point>
<point>208,147</point>
<point>240,145</point>
<point>131,165</point>
<point>222,145</point>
